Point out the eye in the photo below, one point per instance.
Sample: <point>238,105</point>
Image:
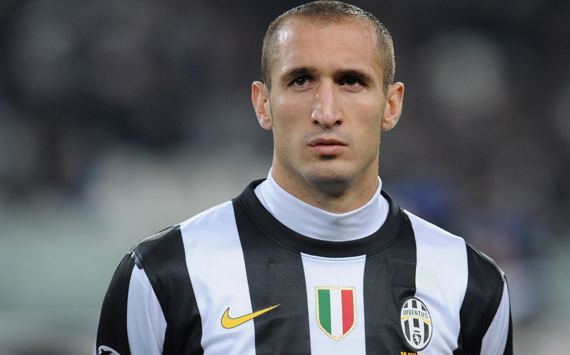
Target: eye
<point>300,81</point>
<point>351,80</point>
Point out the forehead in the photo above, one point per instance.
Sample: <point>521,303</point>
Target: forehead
<point>351,44</point>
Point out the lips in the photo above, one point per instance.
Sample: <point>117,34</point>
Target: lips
<point>326,142</point>
<point>327,146</point>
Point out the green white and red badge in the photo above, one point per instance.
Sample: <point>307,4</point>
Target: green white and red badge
<point>336,310</point>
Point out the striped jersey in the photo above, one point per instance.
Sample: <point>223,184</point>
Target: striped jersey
<point>235,280</point>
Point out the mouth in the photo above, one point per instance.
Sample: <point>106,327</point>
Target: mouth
<point>327,146</point>
<point>326,141</point>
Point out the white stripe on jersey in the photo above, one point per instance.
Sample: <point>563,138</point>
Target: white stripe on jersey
<point>495,339</point>
<point>217,270</point>
<point>441,281</point>
<point>336,313</point>
<point>146,325</point>
<point>335,272</point>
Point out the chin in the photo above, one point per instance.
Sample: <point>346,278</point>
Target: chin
<point>330,181</point>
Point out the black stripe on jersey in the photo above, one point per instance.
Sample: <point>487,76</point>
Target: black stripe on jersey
<point>389,279</point>
<point>284,330</point>
<point>112,330</point>
<point>163,259</point>
<point>482,299</point>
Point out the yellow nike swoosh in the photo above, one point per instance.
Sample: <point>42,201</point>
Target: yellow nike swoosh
<point>229,322</point>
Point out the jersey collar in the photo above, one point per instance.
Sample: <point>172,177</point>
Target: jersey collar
<point>248,203</point>
<point>320,224</point>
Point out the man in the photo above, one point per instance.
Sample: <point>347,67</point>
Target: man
<point>315,259</point>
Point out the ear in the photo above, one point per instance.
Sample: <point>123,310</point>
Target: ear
<point>393,109</point>
<point>260,101</point>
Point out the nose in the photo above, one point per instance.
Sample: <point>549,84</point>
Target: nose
<point>326,111</point>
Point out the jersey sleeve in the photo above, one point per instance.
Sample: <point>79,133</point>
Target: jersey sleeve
<point>498,338</point>
<point>485,314</point>
<point>132,321</point>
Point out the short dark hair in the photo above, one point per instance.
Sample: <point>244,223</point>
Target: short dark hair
<point>330,11</point>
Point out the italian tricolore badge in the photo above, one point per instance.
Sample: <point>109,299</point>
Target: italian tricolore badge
<point>336,310</point>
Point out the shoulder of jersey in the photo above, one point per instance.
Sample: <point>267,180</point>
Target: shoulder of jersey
<point>163,238</point>
<point>484,264</point>
<point>153,242</point>
<point>420,225</point>
<point>487,265</point>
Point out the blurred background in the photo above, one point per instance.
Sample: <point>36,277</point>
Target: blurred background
<point>118,118</point>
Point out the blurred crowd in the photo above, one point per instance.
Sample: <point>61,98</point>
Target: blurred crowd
<point>483,147</point>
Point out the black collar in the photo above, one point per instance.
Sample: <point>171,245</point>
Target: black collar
<point>248,204</point>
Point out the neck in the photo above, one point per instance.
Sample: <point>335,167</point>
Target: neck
<point>336,196</point>
<point>315,223</point>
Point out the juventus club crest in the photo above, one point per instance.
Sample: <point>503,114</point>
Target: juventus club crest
<point>416,323</point>
<point>336,310</point>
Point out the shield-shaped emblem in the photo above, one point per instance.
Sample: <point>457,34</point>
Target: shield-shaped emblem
<point>416,323</point>
<point>336,310</point>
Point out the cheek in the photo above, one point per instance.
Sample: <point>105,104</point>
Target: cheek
<point>370,142</point>
<point>285,135</point>
<point>369,133</point>
<point>290,125</point>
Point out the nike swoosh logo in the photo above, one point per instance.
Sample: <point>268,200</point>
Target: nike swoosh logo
<point>229,322</point>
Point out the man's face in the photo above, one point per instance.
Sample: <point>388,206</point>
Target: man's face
<point>326,104</point>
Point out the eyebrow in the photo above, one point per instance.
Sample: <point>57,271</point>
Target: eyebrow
<point>296,72</point>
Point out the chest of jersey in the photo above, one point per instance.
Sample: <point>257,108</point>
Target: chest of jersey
<point>289,303</point>
<point>262,289</point>
<point>233,280</point>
